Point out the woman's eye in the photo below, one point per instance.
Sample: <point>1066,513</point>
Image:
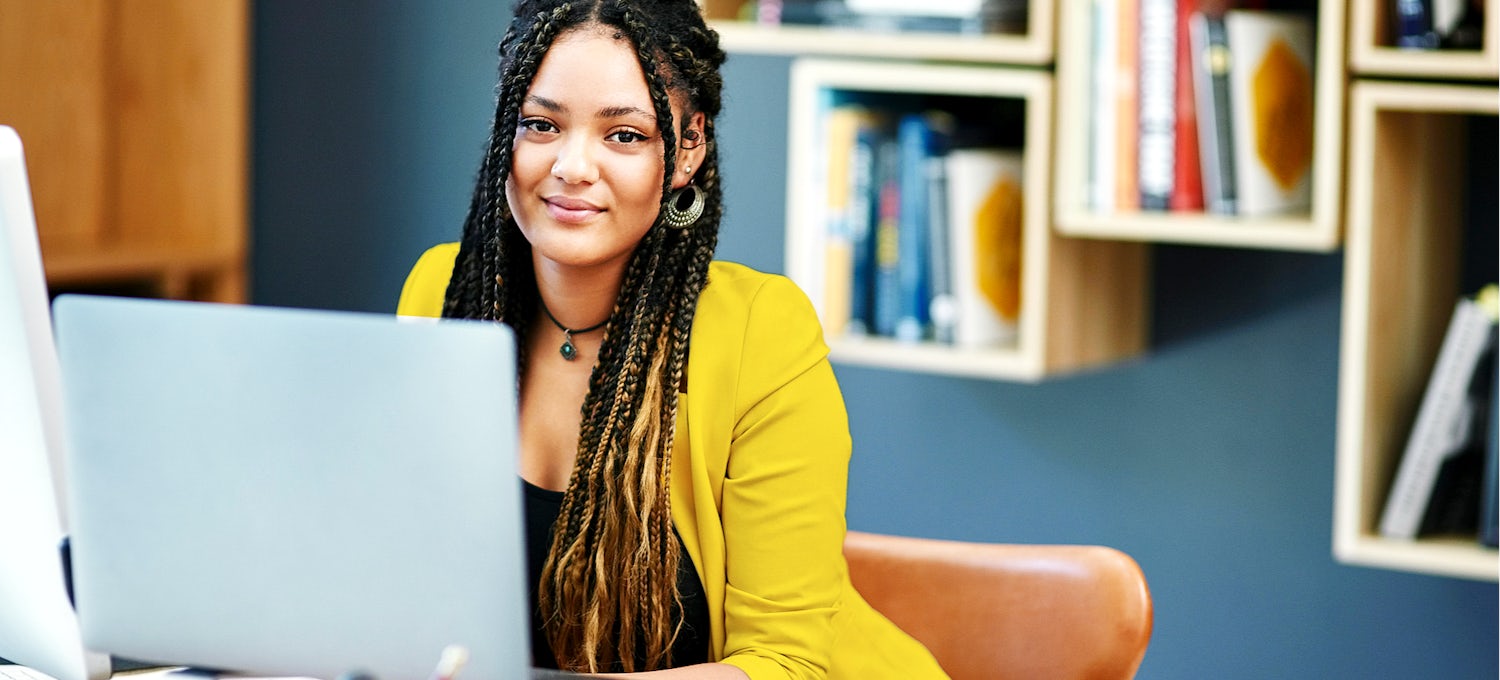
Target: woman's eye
<point>627,137</point>
<point>538,125</point>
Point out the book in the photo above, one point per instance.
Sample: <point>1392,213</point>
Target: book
<point>886,297</point>
<point>1158,103</point>
<point>1215,126</point>
<point>927,8</point>
<point>885,16</point>
<point>984,239</point>
<point>840,128</point>
<point>1102,128</point>
<point>1458,489</point>
<point>1489,508</point>
<point>1412,25</point>
<point>1444,422</point>
<point>1187,177</point>
<point>864,213</point>
<point>1127,106</point>
<point>1271,104</point>
<point>942,309</point>
<point>920,136</point>
<point>1489,504</point>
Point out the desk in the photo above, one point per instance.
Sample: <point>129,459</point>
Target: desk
<point>15,672</point>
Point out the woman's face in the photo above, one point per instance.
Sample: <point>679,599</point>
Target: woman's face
<point>585,185</point>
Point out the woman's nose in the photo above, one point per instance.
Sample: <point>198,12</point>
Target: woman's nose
<point>575,162</point>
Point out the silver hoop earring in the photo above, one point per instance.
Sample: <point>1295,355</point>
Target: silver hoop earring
<point>679,217</point>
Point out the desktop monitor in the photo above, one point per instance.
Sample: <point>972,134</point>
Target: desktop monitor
<point>37,624</point>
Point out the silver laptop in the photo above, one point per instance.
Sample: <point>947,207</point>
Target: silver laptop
<point>37,625</point>
<point>290,492</point>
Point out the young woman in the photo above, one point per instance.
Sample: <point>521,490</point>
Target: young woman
<point>683,442</point>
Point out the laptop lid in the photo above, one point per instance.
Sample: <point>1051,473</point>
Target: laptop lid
<point>37,624</point>
<point>291,492</point>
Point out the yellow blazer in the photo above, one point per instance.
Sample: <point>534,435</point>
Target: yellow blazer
<point>759,474</point>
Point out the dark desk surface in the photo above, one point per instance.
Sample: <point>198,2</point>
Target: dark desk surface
<point>549,674</point>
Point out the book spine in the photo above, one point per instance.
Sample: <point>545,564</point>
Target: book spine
<point>1433,437</point>
<point>942,311</point>
<point>1101,180</point>
<point>887,238</point>
<point>1215,129</point>
<point>921,137</point>
<point>839,129</point>
<point>864,205</point>
<point>1187,177</point>
<point>1489,509</point>
<point>1158,62</point>
<point>1127,107</point>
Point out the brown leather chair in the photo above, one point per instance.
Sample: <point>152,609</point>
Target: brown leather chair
<point>994,611</point>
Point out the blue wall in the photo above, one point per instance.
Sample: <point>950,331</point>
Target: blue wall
<point>1210,460</point>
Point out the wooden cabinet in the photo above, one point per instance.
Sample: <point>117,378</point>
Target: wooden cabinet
<point>135,121</point>
<point>1410,143</point>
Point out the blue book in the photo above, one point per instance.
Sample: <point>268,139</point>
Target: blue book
<point>1413,25</point>
<point>864,214</point>
<point>887,284</point>
<point>921,136</point>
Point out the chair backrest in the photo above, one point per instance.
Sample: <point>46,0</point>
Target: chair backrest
<point>994,611</point>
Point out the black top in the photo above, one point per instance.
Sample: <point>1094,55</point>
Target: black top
<point>542,509</point>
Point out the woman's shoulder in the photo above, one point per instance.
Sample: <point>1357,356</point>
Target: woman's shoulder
<point>427,284</point>
<point>735,286</point>
<point>742,309</point>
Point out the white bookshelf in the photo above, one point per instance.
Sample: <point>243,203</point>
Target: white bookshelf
<point>1082,302</point>
<point>1401,277</point>
<point>1371,53</point>
<point>1317,230</point>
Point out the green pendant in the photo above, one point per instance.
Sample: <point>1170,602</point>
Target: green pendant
<point>568,351</point>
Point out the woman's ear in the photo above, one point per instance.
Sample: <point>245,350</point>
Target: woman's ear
<point>692,148</point>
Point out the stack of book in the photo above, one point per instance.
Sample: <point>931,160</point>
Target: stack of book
<point>1446,483</point>
<point>933,16</point>
<point>922,237</point>
<point>1436,24</point>
<point>1198,111</point>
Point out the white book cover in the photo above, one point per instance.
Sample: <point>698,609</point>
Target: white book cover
<point>1102,120</point>
<point>1443,419</point>
<point>985,223</point>
<point>1271,103</point>
<point>1158,101</point>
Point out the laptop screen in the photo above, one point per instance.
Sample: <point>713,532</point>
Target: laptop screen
<point>291,492</point>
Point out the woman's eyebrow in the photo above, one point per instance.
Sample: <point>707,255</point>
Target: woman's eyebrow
<point>605,112</point>
<point>545,103</point>
<point>623,111</point>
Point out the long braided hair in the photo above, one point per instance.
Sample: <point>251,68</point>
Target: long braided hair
<point>609,586</point>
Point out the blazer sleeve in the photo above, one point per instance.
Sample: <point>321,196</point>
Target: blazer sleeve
<point>784,493</point>
<point>427,283</point>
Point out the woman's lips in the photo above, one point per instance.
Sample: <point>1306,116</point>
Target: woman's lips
<point>565,209</point>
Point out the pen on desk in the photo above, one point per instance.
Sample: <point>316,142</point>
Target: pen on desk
<point>453,659</point>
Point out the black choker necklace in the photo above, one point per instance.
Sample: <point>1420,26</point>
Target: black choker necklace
<point>568,351</point>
